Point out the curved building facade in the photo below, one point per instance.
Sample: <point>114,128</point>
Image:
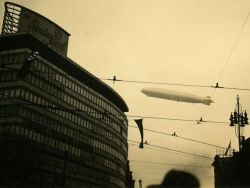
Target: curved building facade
<point>60,126</point>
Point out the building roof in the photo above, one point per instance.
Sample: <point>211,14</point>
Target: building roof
<point>34,43</point>
<point>21,19</point>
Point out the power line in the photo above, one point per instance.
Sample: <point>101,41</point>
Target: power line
<point>216,86</point>
<point>233,47</point>
<point>72,110</point>
<point>151,82</point>
<point>170,164</point>
<point>177,119</point>
<point>177,151</point>
<point>194,85</point>
<point>155,146</point>
<point>174,135</point>
<point>173,152</point>
<point>226,62</point>
<point>111,114</point>
<point>236,88</point>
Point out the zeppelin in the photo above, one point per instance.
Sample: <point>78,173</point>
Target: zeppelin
<point>176,96</point>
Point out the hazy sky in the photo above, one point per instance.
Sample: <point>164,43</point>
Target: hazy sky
<point>170,41</point>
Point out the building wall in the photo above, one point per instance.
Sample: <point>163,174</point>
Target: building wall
<point>66,133</point>
<point>232,171</point>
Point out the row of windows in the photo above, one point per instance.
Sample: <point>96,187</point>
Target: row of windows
<point>71,169</point>
<point>8,75</point>
<point>12,59</point>
<point>48,72</point>
<point>65,131</point>
<point>105,147</point>
<point>75,102</point>
<point>108,163</point>
<point>50,179</point>
<point>114,181</point>
<point>35,99</point>
<point>82,107</point>
<point>40,138</point>
<point>74,169</point>
<point>86,139</point>
<point>49,174</point>
<point>31,97</point>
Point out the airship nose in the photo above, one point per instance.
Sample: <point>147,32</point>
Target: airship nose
<point>144,90</point>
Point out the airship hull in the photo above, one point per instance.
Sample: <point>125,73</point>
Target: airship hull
<point>176,95</point>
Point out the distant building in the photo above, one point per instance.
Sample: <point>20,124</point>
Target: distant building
<point>60,126</point>
<point>233,171</point>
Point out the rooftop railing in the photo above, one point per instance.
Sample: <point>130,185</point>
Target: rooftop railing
<point>11,18</point>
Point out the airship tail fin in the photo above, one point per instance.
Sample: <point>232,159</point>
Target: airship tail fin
<point>208,100</point>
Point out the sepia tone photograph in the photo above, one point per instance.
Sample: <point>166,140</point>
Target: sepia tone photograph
<point>124,93</point>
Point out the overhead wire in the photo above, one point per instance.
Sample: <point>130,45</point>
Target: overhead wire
<point>73,110</point>
<point>180,137</point>
<point>234,46</point>
<point>186,128</point>
<point>134,116</point>
<point>170,164</point>
<point>216,86</point>
<point>53,107</point>
<point>172,152</point>
<point>59,108</point>
<point>226,63</point>
<point>195,85</point>
<point>151,144</point>
<point>177,119</point>
<point>175,150</point>
<point>155,146</point>
<point>151,82</point>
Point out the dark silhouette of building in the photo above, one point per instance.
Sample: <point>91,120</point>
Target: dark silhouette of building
<point>232,170</point>
<point>60,126</point>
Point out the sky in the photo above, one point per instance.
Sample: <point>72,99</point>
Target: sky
<point>194,42</point>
